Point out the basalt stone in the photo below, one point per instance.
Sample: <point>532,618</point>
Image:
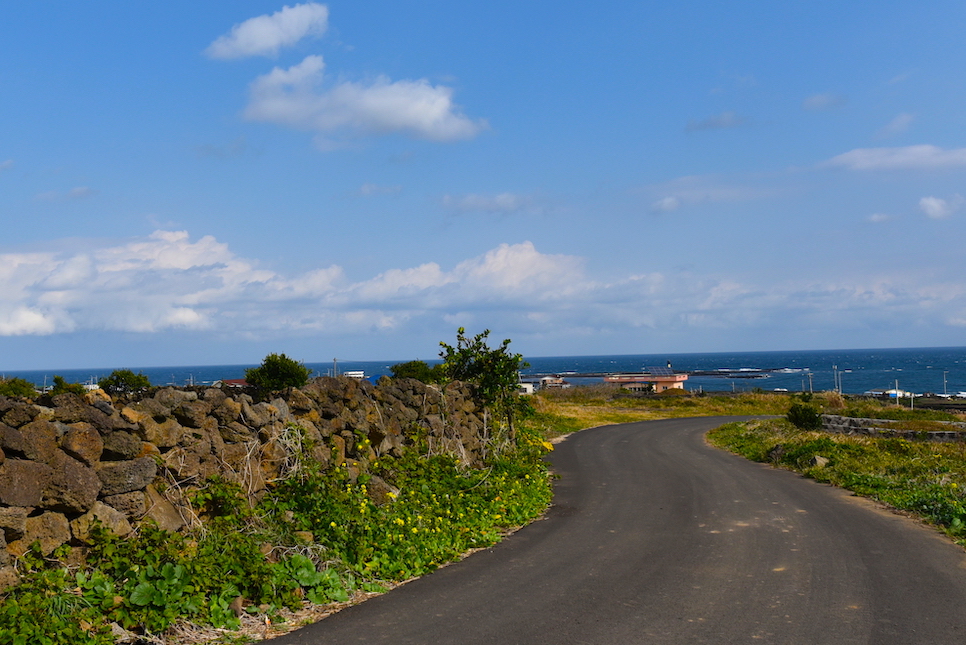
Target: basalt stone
<point>161,511</point>
<point>273,457</point>
<point>120,445</point>
<point>9,578</point>
<point>182,463</point>
<point>72,488</point>
<point>172,398</point>
<point>22,482</point>
<point>214,396</point>
<point>299,401</point>
<point>39,440</point>
<point>338,449</point>
<point>83,442</point>
<point>151,408</point>
<point>235,432</point>
<point>192,413</point>
<point>20,414</point>
<point>13,522</point>
<point>380,491</point>
<point>49,529</point>
<point>70,408</point>
<point>282,411</point>
<point>258,415</point>
<point>228,411</point>
<point>131,504</point>
<point>164,435</point>
<point>103,515</point>
<point>126,476</point>
<point>11,440</point>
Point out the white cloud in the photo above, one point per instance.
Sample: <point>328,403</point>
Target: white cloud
<point>702,189</point>
<point>80,192</point>
<point>375,189</point>
<point>937,208</point>
<point>825,101</point>
<point>722,121</point>
<point>896,126</point>
<point>666,205</point>
<point>170,282</point>
<point>265,35</point>
<point>879,218</point>
<point>294,97</point>
<point>909,157</point>
<point>503,203</point>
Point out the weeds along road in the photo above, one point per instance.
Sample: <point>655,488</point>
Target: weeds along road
<point>654,537</point>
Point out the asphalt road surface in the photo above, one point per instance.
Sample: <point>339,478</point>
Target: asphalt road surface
<point>656,538</point>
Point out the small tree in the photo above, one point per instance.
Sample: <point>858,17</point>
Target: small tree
<point>419,370</point>
<point>17,387</point>
<point>61,386</point>
<point>804,416</point>
<point>493,371</point>
<point>124,382</point>
<point>278,372</point>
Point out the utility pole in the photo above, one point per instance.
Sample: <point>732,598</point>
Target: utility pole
<point>945,372</point>
<point>809,382</point>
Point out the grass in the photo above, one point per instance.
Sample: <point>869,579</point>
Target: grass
<point>560,412</point>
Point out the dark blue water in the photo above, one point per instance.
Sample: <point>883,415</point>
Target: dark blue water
<point>937,370</point>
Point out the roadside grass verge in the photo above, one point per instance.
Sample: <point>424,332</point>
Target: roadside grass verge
<point>923,478</point>
<point>559,412</point>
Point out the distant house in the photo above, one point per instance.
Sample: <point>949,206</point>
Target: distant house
<point>359,374</point>
<point>553,383</point>
<point>660,378</point>
<point>231,382</point>
<point>525,387</point>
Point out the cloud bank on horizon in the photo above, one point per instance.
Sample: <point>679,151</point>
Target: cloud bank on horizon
<point>321,178</point>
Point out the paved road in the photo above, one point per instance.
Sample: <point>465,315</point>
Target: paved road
<point>656,538</point>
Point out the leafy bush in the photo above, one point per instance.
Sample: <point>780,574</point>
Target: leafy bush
<point>804,416</point>
<point>124,382</point>
<point>278,372</point>
<point>17,387</point>
<point>63,387</point>
<point>495,372</point>
<point>419,370</point>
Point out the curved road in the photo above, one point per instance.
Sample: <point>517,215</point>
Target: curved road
<point>655,538</point>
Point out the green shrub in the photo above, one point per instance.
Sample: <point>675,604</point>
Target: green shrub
<point>63,387</point>
<point>419,370</point>
<point>278,372</point>
<point>17,387</point>
<point>804,416</point>
<point>124,382</point>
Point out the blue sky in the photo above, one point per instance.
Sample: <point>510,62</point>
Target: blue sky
<point>205,183</point>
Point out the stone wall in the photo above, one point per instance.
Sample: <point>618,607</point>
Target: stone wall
<point>887,428</point>
<point>67,461</point>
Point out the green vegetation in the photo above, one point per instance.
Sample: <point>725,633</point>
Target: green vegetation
<point>561,411</point>
<point>61,386</point>
<point>330,539</point>
<point>17,387</point>
<point>495,372</point>
<point>419,370</point>
<point>925,478</point>
<point>278,372</point>
<point>124,382</point>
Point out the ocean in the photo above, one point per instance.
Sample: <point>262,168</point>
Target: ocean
<point>938,370</point>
